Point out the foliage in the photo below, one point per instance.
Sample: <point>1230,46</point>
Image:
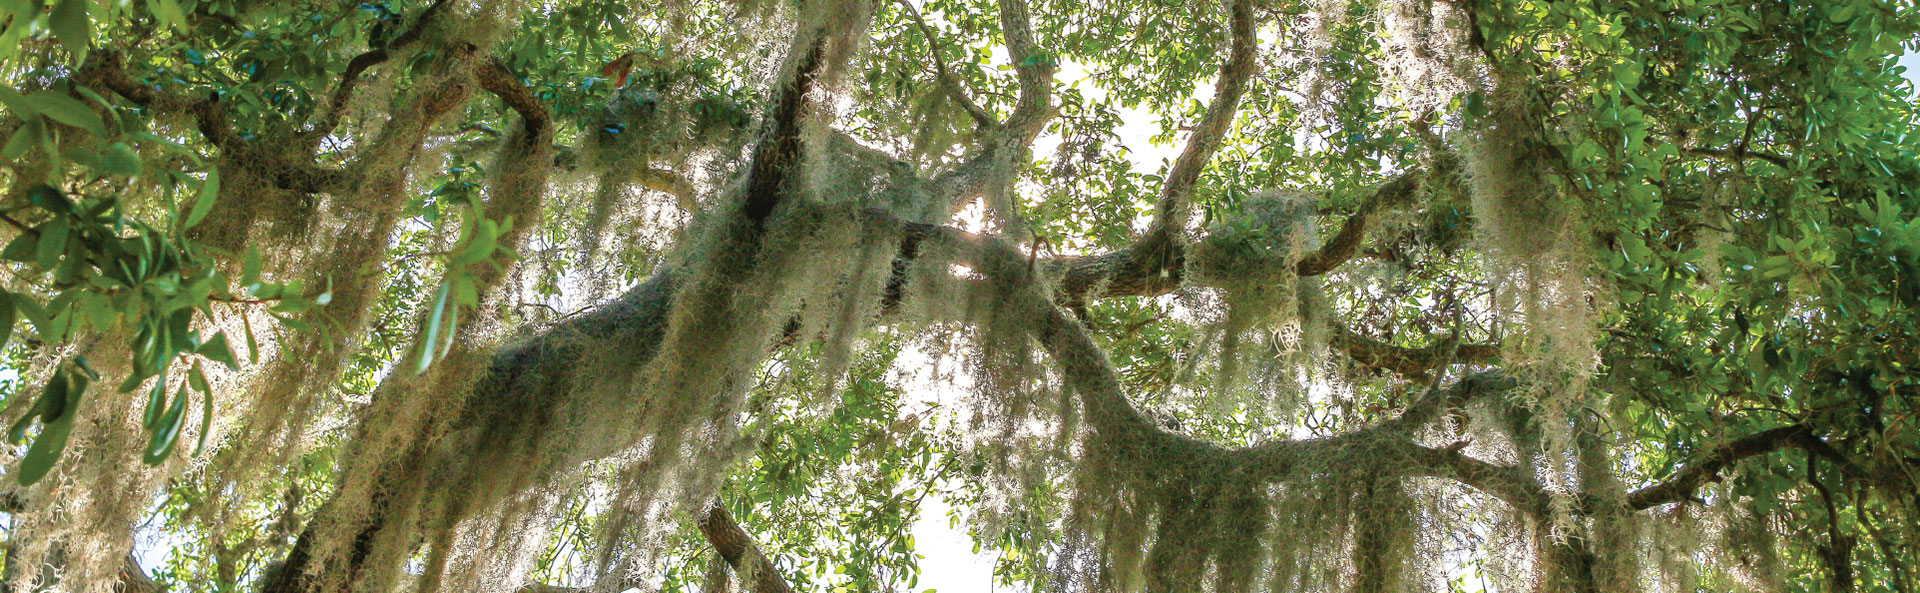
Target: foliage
<point>1567,295</point>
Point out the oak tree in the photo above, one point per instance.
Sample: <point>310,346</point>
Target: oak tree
<point>423,295</point>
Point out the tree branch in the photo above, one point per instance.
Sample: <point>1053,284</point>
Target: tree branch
<point>987,165</point>
<point>1176,194</point>
<point>1341,247</point>
<point>107,70</point>
<point>1412,362</point>
<point>494,77</point>
<point>1033,107</point>
<point>947,81</point>
<point>1157,265</point>
<point>1777,160</point>
<point>776,156</point>
<point>1706,469</point>
<point>1126,432</point>
<point>337,102</point>
<point>1511,485</point>
<point>740,552</point>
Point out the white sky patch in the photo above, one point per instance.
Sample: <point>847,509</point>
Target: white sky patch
<point>1137,128</point>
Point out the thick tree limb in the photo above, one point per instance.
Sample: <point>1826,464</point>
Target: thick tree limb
<point>987,165</point>
<point>776,156</point>
<point>1706,469</point>
<point>134,579</point>
<point>740,552</point>
<point>1412,362</point>
<point>1129,435</point>
<point>1176,194</point>
<point>1342,246</point>
<point>494,77</point>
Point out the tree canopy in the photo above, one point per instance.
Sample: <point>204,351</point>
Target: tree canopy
<point>1427,295</point>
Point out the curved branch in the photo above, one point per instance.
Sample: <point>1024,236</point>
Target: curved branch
<point>1158,266</point>
<point>1510,484</point>
<point>107,70</point>
<point>947,81</point>
<point>1341,247</point>
<point>1176,195</point>
<point>1706,469</point>
<point>337,103</point>
<point>1033,107</point>
<point>986,165</point>
<point>1126,432</point>
<point>494,77</point>
<point>1410,361</point>
<point>740,552</point>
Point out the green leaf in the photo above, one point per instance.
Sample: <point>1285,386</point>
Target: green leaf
<point>464,293</point>
<point>217,350</point>
<point>429,338</point>
<point>70,25</point>
<point>47,447</point>
<point>446,344</point>
<point>51,406</point>
<point>68,272</point>
<point>209,193</point>
<point>120,159</point>
<point>77,383</point>
<point>480,245</point>
<point>36,316</point>
<point>197,377</point>
<point>180,328</point>
<point>161,443</point>
<point>1628,73</point>
<point>50,199</point>
<point>7,315</point>
<point>53,243</point>
<point>156,403</point>
<point>17,103</point>
<point>253,346</point>
<point>44,451</point>
<point>24,139</point>
<point>250,268</point>
<point>21,249</point>
<point>169,12</point>
<point>1844,13</point>
<point>206,422</point>
<point>68,110</point>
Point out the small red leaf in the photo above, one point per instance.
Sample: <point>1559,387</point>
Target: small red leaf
<point>618,69</point>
